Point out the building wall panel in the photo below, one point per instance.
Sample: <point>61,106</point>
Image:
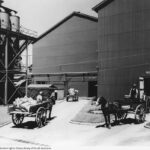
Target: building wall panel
<point>74,42</point>
<point>123,45</point>
<point>71,47</point>
<point>81,86</point>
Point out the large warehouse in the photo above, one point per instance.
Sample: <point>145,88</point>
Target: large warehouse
<point>66,55</point>
<point>123,45</point>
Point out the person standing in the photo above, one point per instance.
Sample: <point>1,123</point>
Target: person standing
<point>53,97</point>
<point>52,100</point>
<point>133,92</point>
<point>39,97</point>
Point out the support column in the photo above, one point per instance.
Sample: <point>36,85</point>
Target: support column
<point>65,85</point>
<point>6,69</point>
<point>26,93</point>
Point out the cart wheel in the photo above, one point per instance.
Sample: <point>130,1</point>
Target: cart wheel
<point>41,117</point>
<point>140,114</point>
<point>17,119</point>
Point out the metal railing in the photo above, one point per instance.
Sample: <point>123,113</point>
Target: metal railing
<point>21,30</point>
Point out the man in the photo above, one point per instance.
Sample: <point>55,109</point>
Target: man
<point>133,92</point>
<point>39,97</point>
<point>52,100</point>
<point>53,97</point>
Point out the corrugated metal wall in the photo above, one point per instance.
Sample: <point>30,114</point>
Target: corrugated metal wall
<point>123,45</point>
<point>71,47</point>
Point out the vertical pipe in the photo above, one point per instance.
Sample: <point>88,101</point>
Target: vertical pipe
<point>65,87</point>
<point>6,69</point>
<point>26,69</point>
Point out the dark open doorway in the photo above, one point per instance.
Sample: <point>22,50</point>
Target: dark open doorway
<point>92,88</point>
<point>147,86</point>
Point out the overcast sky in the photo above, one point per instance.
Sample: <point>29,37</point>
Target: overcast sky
<point>40,15</point>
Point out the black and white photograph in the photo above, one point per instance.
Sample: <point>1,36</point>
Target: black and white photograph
<point>74,74</point>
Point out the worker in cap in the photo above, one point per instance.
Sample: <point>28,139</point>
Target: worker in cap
<point>39,97</point>
<point>134,92</point>
<point>40,92</point>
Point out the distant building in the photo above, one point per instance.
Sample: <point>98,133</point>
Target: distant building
<point>123,45</point>
<point>66,55</point>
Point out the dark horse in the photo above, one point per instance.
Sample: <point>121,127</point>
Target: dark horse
<point>107,109</point>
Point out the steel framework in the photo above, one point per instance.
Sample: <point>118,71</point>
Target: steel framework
<point>12,44</point>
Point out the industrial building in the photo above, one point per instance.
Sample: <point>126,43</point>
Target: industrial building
<point>66,55</point>
<point>123,45</point>
<point>14,39</point>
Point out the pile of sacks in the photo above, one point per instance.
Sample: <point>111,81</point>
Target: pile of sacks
<point>72,91</point>
<point>24,103</point>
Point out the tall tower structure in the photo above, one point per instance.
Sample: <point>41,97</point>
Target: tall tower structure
<point>14,39</point>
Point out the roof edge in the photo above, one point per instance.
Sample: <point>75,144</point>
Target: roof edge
<point>101,5</point>
<point>75,13</point>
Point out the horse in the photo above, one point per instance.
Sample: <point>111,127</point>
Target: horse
<point>107,109</point>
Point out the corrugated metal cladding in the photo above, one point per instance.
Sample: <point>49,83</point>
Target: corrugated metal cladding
<point>123,45</point>
<point>71,47</point>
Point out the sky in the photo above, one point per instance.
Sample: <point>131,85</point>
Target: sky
<point>41,15</point>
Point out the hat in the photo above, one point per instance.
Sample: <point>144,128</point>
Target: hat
<point>40,92</point>
<point>134,84</point>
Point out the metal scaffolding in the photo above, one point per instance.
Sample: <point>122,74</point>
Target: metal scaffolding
<point>12,44</point>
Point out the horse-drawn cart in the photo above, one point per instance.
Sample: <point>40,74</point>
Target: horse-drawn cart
<point>121,108</point>
<point>72,94</point>
<point>28,106</point>
<point>39,111</point>
<point>137,107</point>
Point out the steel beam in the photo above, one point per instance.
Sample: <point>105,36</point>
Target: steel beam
<point>6,68</point>
<point>26,69</point>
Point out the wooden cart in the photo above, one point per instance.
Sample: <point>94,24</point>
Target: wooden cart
<point>135,106</point>
<point>72,95</point>
<point>39,111</point>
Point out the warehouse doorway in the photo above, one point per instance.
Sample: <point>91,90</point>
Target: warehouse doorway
<point>92,88</point>
<point>144,86</point>
<point>147,86</point>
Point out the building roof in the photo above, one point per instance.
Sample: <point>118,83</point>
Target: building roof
<point>101,5</point>
<point>78,14</point>
<point>39,86</point>
<point>92,73</point>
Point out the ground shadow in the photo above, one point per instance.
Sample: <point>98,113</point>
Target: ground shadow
<point>72,101</point>
<point>121,122</point>
<point>52,118</point>
<point>98,126</point>
<point>128,121</point>
<point>32,124</point>
<point>27,125</point>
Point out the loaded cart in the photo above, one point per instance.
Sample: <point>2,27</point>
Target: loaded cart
<point>39,111</point>
<point>28,106</point>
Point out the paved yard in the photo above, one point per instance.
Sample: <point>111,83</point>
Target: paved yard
<point>4,117</point>
<point>59,132</point>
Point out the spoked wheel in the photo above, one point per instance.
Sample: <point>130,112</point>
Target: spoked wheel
<point>17,119</point>
<point>41,116</point>
<point>140,114</point>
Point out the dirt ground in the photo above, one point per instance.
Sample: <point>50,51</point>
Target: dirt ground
<point>59,132</point>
